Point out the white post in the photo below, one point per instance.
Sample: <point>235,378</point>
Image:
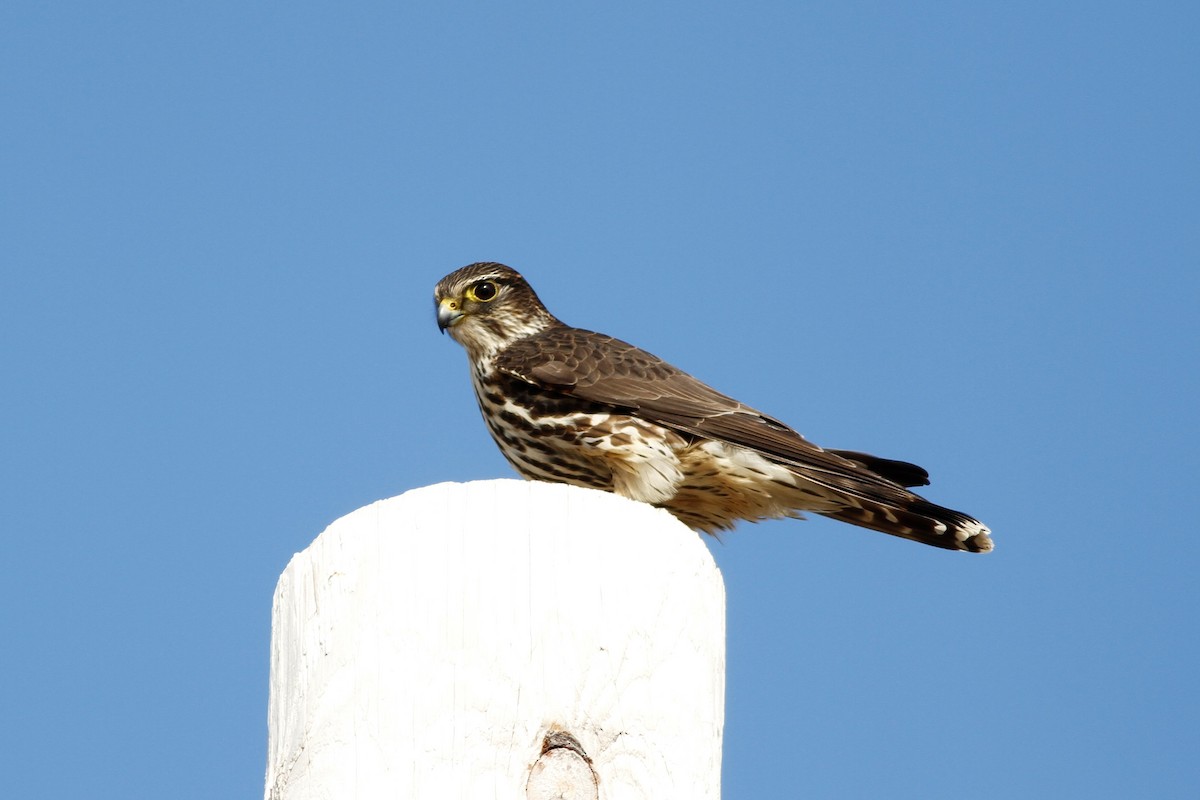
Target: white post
<point>498,639</point>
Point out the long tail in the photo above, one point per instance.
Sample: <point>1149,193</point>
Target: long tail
<point>918,520</point>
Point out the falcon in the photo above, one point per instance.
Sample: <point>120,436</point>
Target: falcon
<point>568,405</point>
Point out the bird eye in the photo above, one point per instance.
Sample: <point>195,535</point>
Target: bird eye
<point>483,291</point>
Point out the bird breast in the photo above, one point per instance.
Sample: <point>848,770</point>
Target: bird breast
<point>550,437</point>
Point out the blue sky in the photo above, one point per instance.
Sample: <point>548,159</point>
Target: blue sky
<point>959,235</point>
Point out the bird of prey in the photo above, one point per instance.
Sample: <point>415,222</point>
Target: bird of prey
<point>568,405</point>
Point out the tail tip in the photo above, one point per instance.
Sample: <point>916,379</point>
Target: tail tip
<point>974,537</point>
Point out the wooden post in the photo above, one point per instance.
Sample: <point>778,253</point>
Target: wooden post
<point>498,639</point>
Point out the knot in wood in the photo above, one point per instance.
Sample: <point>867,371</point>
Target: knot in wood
<point>563,771</point>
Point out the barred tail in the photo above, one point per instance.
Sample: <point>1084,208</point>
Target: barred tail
<point>920,521</point>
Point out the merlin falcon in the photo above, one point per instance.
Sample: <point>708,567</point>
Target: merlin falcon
<point>568,405</point>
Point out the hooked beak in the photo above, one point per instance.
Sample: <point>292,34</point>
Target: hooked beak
<point>449,312</point>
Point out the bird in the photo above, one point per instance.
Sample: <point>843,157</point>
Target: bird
<point>568,405</point>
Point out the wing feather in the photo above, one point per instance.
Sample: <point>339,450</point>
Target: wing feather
<point>613,373</point>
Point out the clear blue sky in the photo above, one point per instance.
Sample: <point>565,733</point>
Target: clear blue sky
<point>961,235</point>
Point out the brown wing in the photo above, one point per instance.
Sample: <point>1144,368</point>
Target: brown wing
<point>608,371</point>
<point>901,472</point>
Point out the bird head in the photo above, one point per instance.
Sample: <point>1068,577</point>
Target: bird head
<point>486,306</point>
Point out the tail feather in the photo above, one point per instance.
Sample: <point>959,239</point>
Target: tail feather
<point>920,521</point>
